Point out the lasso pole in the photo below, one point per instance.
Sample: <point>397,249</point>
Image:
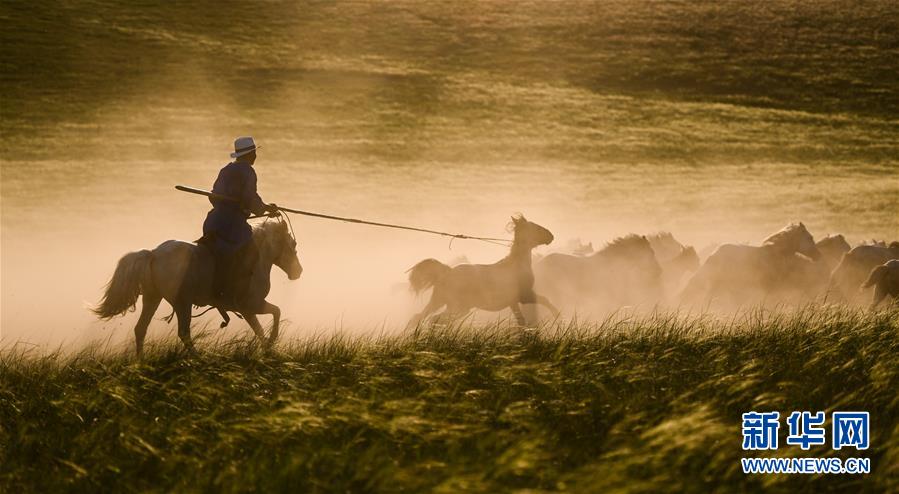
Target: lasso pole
<point>213,195</point>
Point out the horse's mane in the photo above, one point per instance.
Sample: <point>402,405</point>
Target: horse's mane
<point>687,258</point>
<point>833,239</point>
<point>510,226</point>
<point>665,245</point>
<point>784,233</point>
<point>688,251</point>
<point>874,242</point>
<point>268,232</point>
<point>664,236</point>
<point>625,244</point>
<point>267,227</point>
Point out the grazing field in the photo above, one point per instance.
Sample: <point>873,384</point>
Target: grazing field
<point>628,405</point>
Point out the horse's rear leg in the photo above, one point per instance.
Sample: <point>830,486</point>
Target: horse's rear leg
<point>549,305</point>
<point>183,313</point>
<point>149,304</point>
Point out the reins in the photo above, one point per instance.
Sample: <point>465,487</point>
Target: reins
<point>452,236</point>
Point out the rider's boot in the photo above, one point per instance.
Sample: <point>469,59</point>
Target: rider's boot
<point>242,271</point>
<point>221,280</point>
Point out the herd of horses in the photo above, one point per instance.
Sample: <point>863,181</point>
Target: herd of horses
<point>631,271</point>
<point>652,270</point>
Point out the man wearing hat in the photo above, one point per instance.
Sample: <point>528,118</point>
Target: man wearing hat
<point>226,229</point>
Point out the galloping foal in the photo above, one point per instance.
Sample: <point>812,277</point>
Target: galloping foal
<point>493,287</point>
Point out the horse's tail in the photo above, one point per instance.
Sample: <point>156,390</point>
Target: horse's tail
<point>876,275</point>
<point>125,286</point>
<point>426,274</point>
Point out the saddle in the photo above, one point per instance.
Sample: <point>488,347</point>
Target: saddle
<point>232,271</point>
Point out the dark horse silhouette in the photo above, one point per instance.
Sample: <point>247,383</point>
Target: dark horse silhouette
<point>181,273</point>
<point>885,280</point>
<point>856,265</point>
<point>492,287</point>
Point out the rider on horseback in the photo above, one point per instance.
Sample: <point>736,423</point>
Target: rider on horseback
<point>226,230</point>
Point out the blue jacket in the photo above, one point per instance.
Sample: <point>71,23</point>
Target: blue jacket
<point>227,221</point>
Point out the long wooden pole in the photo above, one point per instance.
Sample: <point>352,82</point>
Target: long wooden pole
<point>213,195</point>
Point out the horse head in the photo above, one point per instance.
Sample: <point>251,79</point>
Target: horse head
<point>283,249</point>
<point>688,259</point>
<point>832,248</point>
<point>530,234</point>
<point>834,243</point>
<point>664,245</point>
<point>795,238</point>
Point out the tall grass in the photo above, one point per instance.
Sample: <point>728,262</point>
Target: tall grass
<point>626,405</point>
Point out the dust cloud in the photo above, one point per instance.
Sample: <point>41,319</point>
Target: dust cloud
<point>421,114</point>
<point>59,251</point>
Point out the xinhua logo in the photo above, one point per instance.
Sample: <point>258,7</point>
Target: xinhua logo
<point>805,429</point>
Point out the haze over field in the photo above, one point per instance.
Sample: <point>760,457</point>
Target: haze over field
<point>717,122</point>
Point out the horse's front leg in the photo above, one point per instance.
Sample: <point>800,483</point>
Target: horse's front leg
<point>519,316</point>
<point>275,311</point>
<point>253,321</point>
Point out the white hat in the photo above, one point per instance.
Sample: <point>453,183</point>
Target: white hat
<point>244,145</point>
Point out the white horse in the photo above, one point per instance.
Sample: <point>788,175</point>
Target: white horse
<point>741,274</point>
<point>181,273</point>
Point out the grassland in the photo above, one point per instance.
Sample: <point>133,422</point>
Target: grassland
<point>629,405</point>
<point>711,120</point>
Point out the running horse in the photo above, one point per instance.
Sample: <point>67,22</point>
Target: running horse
<point>625,272</point>
<point>493,287</point>
<point>181,273</point>
<point>746,274</point>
